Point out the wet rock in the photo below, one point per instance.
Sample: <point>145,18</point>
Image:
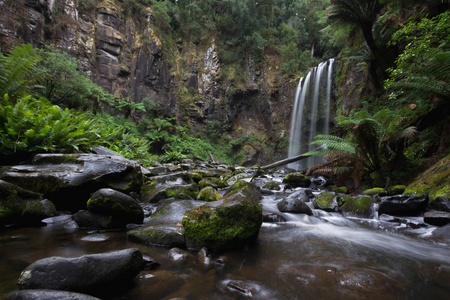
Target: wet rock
<point>296,202</point>
<point>208,194</point>
<point>271,217</point>
<point>89,219</point>
<point>35,211</point>
<point>214,182</point>
<point>358,207</point>
<point>85,274</point>
<point>442,232</point>
<point>14,200</point>
<point>271,185</point>
<point>122,208</point>
<point>178,255</point>
<point>68,179</point>
<point>404,205</point>
<point>179,185</point>
<point>150,263</point>
<point>326,202</point>
<point>204,256</point>
<point>164,226</point>
<point>294,205</point>
<point>375,192</point>
<point>440,203</point>
<point>297,179</point>
<point>97,237</point>
<point>227,224</point>
<point>37,294</point>
<point>438,218</point>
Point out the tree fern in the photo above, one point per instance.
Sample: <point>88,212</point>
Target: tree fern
<point>17,77</point>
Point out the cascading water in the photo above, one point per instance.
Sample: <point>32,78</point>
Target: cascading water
<point>311,113</point>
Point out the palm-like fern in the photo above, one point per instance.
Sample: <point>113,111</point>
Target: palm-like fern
<point>371,144</point>
<point>17,78</point>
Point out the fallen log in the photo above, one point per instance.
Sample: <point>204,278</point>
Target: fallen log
<point>285,161</point>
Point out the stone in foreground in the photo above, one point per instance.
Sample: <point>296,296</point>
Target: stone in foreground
<point>226,224</point>
<point>85,274</point>
<point>47,295</point>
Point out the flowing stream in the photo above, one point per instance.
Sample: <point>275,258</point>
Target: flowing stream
<point>324,256</point>
<point>311,112</point>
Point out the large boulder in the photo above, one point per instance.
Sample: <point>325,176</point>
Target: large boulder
<point>326,202</point>
<point>47,295</point>
<point>69,179</point>
<point>164,226</point>
<point>86,274</point>
<point>361,207</point>
<point>122,208</point>
<point>297,179</point>
<point>21,206</point>
<point>296,202</point>
<point>438,218</point>
<point>403,205</point>
<point>227,224</point>
<point>440,203</point>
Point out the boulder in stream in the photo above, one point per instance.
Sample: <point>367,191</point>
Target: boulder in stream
<point>327,202</point>
<point>86,274</point>
<point>361,207</point>
<point>164,226</point>
<point>122,208</point>
<point>227,224</point>
<point>296,202</point>
<point>297,179</point>
<point>438,218</point>
<point>403,205</point>
<point>68,179</point>
<point>47,295</point>
<point>18,205</point>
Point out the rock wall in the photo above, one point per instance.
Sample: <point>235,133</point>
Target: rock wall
<point>125,56</point>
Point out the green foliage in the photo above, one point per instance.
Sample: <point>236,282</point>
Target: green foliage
<point>17,77</point>
<point>372,142</point>
<point>424,65</point>
<point>67,85</point>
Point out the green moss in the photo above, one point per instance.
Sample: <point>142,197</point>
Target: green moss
<point>375,191</point>
<point>297,179</point>
<point>339,189</point>
<point>324,200</point>
<point>341,199</point>
<point>271,185</point>
<point>208,194</point>
<point>179,192</point>
<point>224,227</point>
<point>435,181</point>
<point>396,190</point>
<point>361,207</point>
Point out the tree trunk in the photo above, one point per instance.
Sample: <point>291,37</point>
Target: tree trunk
<point>285,161</point>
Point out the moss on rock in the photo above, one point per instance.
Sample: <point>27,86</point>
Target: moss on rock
<point>435,181</point>
<point>297,179</point>
<point>208,194</point>
<point>358,207</point>
<point>271,185</point>
<point>326,201</point>
<point>375,192</point>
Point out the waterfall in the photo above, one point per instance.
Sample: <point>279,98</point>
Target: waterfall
<point>311,113</point>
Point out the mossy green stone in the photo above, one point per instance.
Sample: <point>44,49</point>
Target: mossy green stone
<point>226,227</point>
<point>435,181</point>
<point>208,194</point>
<point>361,207</point>
<point>271,185</point>
<point>396,190</point>
<point>375,191</point>
<point>325,201</point>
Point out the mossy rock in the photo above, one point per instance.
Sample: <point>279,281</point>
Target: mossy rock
<point>214,182</point>
<point>122,208</point>
<point>341,199</point>
<point>35,211</point>
<point>185,192</point>
<point>375,192</point>
<point>339,189</point>
<point>208,194</point>
<point>272,185</point>
<point>229,224</point>
<point>248,189</point>
<point>326,201</point>
<point>297,179</point>
<point>358,207</point>
<point>435,181</point>
<point>396,190</point>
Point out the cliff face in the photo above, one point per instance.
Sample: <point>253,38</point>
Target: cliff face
<point>126,57</point>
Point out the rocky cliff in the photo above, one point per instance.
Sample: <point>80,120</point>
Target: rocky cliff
<point>125,55</point>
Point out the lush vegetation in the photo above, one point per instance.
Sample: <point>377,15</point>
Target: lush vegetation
<point>404,127</point>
